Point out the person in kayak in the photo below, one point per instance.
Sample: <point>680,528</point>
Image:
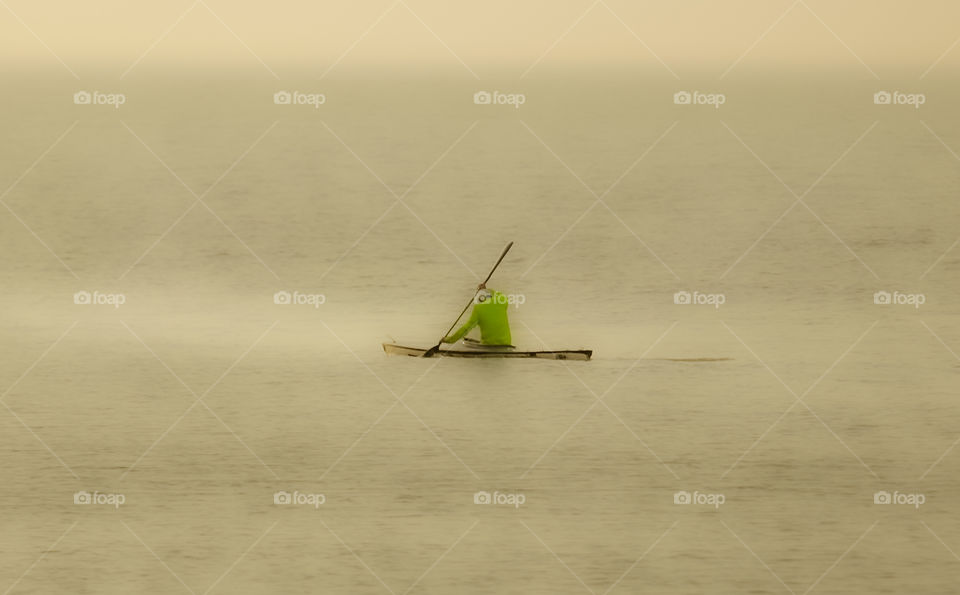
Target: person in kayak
<point>490,314</point>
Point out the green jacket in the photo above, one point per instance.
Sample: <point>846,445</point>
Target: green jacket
<point>491,316</point>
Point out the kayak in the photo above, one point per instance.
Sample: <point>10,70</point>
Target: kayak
<point>574,354</point>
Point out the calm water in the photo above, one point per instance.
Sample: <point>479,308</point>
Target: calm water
<point>297,398</point>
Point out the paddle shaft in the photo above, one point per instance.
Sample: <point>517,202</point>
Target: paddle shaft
<point>436,347</point>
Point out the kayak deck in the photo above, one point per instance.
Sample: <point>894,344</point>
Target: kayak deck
<point>572,354</point>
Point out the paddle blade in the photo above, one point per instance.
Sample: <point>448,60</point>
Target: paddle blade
<point>432,351</point>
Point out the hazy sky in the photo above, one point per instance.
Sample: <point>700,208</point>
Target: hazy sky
<point>114,34</point>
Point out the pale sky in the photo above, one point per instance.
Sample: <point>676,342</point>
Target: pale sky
<point>886,35</point>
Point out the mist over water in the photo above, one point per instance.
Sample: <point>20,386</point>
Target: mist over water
<point>391,200</point>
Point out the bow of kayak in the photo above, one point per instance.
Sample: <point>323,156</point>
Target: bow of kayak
<point>573,354</point>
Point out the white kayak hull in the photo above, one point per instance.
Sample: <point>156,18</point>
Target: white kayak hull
<point>573,354</point>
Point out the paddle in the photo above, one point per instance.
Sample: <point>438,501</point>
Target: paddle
<point>433,350</point>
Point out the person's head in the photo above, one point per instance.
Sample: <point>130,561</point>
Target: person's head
<point>483,296</point>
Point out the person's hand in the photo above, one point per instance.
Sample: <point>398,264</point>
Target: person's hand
<point>481,286</point>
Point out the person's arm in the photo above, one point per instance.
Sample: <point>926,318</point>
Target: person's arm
<point>466,328</point>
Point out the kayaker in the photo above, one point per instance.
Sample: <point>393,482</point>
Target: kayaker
<point>490,314</point>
